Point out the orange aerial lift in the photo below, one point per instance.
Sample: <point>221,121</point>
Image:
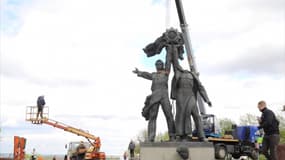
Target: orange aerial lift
<point>93,153</point>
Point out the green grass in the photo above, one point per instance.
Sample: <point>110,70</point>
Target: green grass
<point>262,157</point>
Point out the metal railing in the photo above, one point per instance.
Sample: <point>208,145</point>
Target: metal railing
<point>31,113</point>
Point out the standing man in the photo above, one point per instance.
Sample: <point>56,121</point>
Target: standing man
<point>40,104</point>
<point>33,157</point>
<point>125,156</point>
<point>269,124</point>
<point>158,97</point>
<point>132,147</point>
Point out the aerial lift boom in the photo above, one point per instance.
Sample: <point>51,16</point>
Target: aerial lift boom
<point>96,144</point>
<point>92,153</point>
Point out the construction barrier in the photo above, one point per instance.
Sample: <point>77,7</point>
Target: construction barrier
<point>19,148</point>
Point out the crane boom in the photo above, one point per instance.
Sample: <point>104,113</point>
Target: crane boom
<point>185,31</point>
<point>189,51</point>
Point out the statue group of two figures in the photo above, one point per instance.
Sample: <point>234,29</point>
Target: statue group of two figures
<point>185,86</point>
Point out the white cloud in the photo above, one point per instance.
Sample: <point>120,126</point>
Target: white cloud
<point>67,42</point>
<point>233,97</point>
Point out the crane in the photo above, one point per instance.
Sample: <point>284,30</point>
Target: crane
<point>222,145</point>
<point>93,153</point>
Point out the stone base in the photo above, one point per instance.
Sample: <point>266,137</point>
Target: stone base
<point>167,150</point>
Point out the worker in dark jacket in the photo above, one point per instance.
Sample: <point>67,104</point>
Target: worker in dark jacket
<point>132,147</point>
<point>269,124</point>
<point>40,104</point>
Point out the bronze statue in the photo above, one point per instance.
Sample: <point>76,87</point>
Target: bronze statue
<point>173,42</point>
<point>158,97</point>
<point>183,151</point>
<point>187,86</point>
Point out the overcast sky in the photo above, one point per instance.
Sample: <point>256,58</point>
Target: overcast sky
<point>80,55</point>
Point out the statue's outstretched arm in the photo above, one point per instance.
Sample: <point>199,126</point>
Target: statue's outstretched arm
<point>143,74</point>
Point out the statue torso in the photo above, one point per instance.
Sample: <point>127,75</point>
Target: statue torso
<point>159,81</point>
<point>185,81</point>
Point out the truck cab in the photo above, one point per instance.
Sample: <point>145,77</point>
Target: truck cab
<point>72,149</point>
<point>211,126</point>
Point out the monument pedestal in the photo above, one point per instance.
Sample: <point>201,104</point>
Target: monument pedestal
<point>167,150</point>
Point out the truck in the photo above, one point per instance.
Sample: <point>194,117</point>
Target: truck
<point>91,153</point>
<point>238,142</point>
